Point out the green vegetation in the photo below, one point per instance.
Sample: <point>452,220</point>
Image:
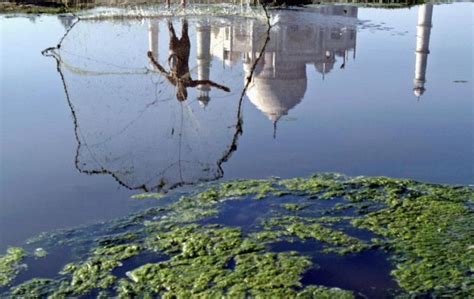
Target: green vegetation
<point>149,195</point>
<point>239,188</point>
<point>319,292</point>
<point>302,229</point>
<point>427,230</point>
<point>200,266</point>
<point>35,288</point>
<point>315,185</point>
<point>95,273</point>
<point>40,252</point>
<point>267,236</point>
<point>11,265</point>
<point>117,239</point>
<point>203,276</point>
<point>293,207</point>
<point>433,241</point>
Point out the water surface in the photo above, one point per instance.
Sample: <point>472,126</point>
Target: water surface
<point>361,91</point>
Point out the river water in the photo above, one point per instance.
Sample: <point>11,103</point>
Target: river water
<point>360,91</point>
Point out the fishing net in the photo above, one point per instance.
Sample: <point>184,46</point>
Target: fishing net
<point>127,119</point>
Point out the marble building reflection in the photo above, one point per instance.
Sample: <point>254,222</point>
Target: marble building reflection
<point>279,81</point>
<point>297,50</point>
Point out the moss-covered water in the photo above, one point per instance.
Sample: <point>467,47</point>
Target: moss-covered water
<point>264,238</point>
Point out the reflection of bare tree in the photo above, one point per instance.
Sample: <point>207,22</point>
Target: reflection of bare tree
<point>178,60</point>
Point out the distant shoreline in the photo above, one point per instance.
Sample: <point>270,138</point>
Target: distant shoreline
<point>47,7</point>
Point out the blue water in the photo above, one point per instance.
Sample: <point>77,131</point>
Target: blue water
<point>360,118</point>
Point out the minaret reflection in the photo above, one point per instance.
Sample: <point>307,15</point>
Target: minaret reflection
<point>153,36</point>
<point>423,31</point>
<point>203,51</point>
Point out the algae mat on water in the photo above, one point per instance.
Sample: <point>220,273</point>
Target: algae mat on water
<point>222,240</point>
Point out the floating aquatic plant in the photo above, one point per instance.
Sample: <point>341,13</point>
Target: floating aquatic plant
<point>11,264</point>
<point>426,229</point>
<point>40,252</point>
<point>432,240</point>
<point>293,207</point>
<point>149,195</point>
<point>298,227</point>
<point>35,288</point>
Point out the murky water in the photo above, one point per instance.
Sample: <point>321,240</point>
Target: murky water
<point>343,89</point>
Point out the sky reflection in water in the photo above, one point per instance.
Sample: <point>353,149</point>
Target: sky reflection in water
<point>339,89</point>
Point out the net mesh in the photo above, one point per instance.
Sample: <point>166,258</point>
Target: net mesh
<point>128,122</point>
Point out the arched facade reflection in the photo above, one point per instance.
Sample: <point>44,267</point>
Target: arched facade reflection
<point>315,38</point>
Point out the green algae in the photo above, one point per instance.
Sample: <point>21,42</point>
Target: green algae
<point>330,220</point>
<point>300,228</point>
<point>95,273</point>
<point>294,207</point>
<point>114,232</point>
<point>11,264</point>
<point>267,236</point>
<point>318,232</point>
<point>324,293</point>
<point>315,185</point>
<point>187,210</point>
<point>117,239</point>
<point>432,242</point>
<point>177,277</point>
<point>35,288</point>
<point>118,252</point>
<point>194,240</point>
<point>254,274</point>
<point>268,274</point>
<point>150,195</point>
<point>240,188</point>
<point>200,266</point>
<point>426,229</point>
<point>339,207</point>
<point>40,252</point>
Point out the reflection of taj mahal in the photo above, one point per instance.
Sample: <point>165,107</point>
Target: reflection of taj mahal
<point>280,79</point>
<point>297,40</point>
